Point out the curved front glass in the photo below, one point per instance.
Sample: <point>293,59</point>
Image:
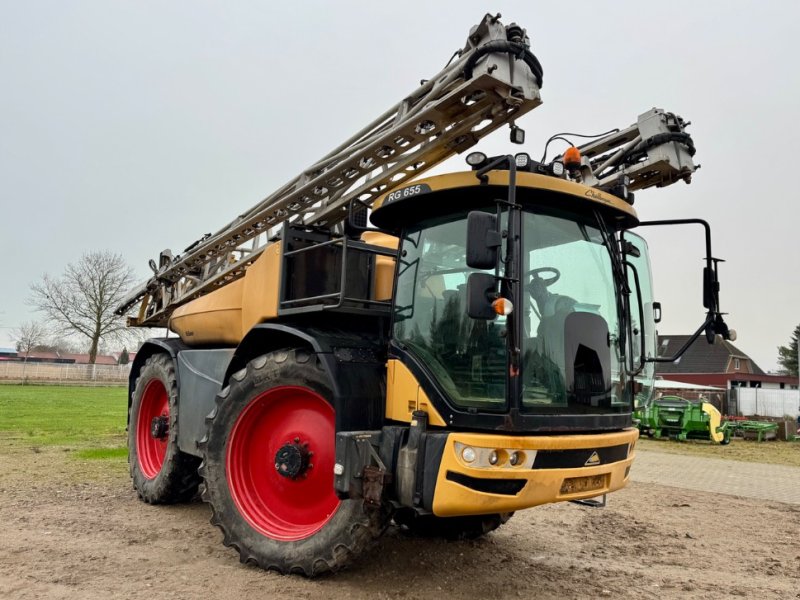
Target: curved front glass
<point>571,356</point>
<point>639,272</point>
<point>570,324</point>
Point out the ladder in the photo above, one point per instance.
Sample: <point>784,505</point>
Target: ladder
<point>493,80</point>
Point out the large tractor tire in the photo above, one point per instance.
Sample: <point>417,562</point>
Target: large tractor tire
<point>450,528</point>
<point>268,464</point>
<point>161,473</point>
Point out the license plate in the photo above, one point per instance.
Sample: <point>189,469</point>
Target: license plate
<point>576,485</point>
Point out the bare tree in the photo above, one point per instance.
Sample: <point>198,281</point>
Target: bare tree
<point>60,344</point>
<point>83,299</point>
<point>28,336</point>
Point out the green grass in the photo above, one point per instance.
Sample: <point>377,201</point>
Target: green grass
<point>772,452</point>
<point>78,417</point>
<point>102,453</point>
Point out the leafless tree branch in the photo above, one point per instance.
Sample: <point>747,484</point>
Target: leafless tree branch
<point>26,337</point>
<point>82,300</point>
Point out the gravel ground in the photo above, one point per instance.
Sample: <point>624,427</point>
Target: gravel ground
<point>75,529</point>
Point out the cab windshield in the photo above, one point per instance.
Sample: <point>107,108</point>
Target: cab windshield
<point>570,358</point>
<point>570,352</point>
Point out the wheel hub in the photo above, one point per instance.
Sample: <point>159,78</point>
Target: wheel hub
<point>292,460</point>
<point>295,502</point>
<point>159,427</point>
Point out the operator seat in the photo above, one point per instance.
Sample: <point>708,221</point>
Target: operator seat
<point>587,356</point>
<point>573,342</point>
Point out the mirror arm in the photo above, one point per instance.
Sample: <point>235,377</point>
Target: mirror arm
<point>711,262</point>
<point>666,359</point>
<point>714,323</point>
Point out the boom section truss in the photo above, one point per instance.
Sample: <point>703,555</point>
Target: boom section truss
<point>493,80</point>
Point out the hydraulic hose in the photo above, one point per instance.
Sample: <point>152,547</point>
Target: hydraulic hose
<point>662,138</point>
<point>516,49</point>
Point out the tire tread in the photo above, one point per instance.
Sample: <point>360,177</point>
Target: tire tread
<point>178,479</point>
<point>321,553</point>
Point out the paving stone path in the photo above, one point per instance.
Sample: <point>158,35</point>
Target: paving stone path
<point>751,480</point>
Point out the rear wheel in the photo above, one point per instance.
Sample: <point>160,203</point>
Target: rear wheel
<point>268,469</point>
<point>450,528</point>
<point>161,473</point>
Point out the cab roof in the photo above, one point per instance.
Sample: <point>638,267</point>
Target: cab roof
<point>462,190</point>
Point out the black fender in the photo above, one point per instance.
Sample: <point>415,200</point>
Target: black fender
<point>354,362</point>
<point>153,346</point>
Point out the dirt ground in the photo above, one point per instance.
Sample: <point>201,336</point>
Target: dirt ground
<point>74,529</point>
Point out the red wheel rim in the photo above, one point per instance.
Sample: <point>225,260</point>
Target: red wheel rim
<point>279,507</point>
<point>150,451</point>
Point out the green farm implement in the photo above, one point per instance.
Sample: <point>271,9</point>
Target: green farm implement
<point>755,430</point>
<point>673,416</point>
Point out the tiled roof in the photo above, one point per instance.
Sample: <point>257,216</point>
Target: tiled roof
<point>83,359</point>
<point>701,357</point>
<point>40,355</point>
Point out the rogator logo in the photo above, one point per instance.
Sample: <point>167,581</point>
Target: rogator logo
<point>594,459</point>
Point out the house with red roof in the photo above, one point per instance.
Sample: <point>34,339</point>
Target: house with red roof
<point>720,365</point>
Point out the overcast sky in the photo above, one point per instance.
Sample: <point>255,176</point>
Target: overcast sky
<point>139,126</point>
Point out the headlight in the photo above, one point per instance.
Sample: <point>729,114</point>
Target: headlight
<point>522,160</point>
<point>495,458</point>
<point>476,159</point>
<point>468,454</point>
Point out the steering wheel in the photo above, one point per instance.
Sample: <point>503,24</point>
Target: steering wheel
<point>546,281</point>
<point>537,286</point>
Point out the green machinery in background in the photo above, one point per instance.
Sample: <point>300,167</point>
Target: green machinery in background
<point>673,416</point>
<point>754,430</point>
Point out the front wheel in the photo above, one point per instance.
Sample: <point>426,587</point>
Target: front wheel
<point>268,469</point>
<point>161,473</point>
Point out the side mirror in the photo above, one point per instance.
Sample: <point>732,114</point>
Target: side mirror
<point>483,240</point>
<point>710,289</point>
<point>481,291</point>
<point>657,312</point>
